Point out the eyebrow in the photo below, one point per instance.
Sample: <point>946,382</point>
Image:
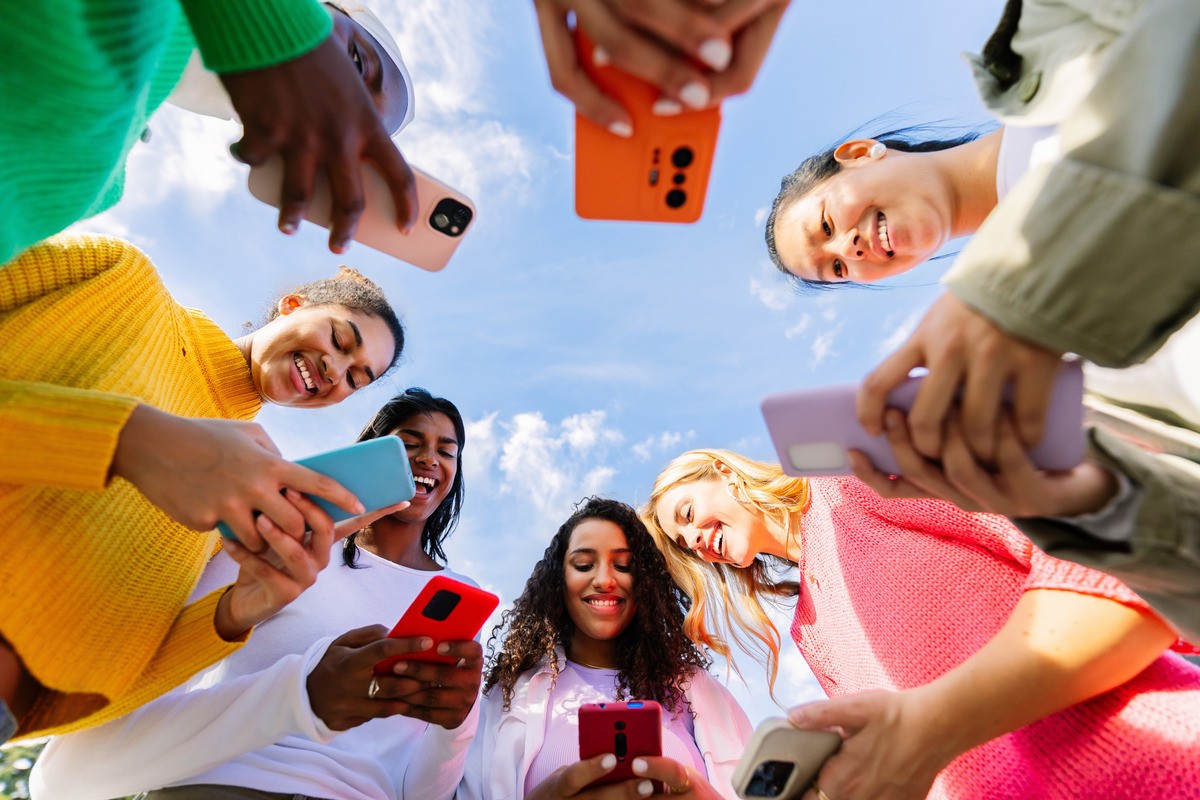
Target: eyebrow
<point>417,434</point>
<point>591,551</point>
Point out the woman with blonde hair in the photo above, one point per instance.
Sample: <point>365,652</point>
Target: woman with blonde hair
<point>963,661</point>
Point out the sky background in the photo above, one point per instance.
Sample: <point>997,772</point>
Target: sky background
<point>583,355</point>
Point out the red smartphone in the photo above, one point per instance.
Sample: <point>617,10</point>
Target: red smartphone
<point>627,730</point>
<point>446,610</point>
<point>443,214</point>
<point>660,174</point>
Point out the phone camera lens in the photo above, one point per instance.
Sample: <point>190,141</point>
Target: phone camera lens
<point>679,177</point>
<point>441,220</point>
<point>450,217</point>
<point>676,198</point>
<point>769,779</point>
<point>619,725</point>
<point>682,157</point>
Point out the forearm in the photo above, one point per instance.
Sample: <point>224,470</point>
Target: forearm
<point>436,769</point>
<point>1057,649</point>
<point>238,36</point>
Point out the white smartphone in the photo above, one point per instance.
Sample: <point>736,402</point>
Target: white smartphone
<point>781,761</point>
<point>443,214</point>
<point>812,429</point>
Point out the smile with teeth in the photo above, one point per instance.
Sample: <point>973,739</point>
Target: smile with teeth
<point>304,376</point>
<point>883,235</point>
<point>715,542</point>
<point>603,603</point>
<point>428,484</point>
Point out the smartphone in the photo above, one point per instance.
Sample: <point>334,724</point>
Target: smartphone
<point>376,471</point>
<point>812,429</point>
<point>781,761</point>
<point>627,730</point>
<point>660,174</point>
<point>443,214</point>
<point>446,610</point>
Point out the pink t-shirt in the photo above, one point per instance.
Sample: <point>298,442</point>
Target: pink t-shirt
<point>895,593</point>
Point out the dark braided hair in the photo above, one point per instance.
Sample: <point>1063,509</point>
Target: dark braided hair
<point>655,659</point>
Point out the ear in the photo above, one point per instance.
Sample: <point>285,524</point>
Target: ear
<point>290,302</point>
<point>721,468</point>
<point>855,150</point>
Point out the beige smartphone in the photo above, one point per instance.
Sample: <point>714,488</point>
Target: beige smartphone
<point>444,215</point>
<point>781,761</point>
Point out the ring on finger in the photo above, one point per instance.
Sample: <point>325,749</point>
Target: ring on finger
<point>820,794</point>
<point>687,784</point>
<point>373,688</point>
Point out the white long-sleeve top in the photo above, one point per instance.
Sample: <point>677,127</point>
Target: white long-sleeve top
<point>508,741</point>
<point>246,721</point>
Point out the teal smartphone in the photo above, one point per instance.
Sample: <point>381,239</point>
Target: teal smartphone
<point>376,471</point>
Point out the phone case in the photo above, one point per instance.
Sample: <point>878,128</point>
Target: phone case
<point>443,217</point>
<point>812,429</point>
<point>376,471</point>
<point>445,610</point>
<point>660,174</point>
<point>782,761</point>
<point>627,730</point>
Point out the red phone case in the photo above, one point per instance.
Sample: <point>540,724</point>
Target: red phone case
<point>445,610</point>
<point>660,174</point>
<point>626,730</point>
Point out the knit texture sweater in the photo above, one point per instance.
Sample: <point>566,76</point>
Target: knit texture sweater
<point>95,579</point>
<point>895,593</point>
<point>80,78</point>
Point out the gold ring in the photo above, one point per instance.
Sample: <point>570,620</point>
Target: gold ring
<point>373,688</point>
<point>687,783</point>
<point>820,794</point>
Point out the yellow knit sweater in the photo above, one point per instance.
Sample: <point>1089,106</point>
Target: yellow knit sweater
<point>93,578</point>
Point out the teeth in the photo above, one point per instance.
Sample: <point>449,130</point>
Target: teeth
<point>428,483</point>
<point>883,234</point>
<point>606,603</point>
<point>308,381</point>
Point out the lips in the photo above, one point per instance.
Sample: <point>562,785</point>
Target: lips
<point>301,374</point>
<point>604,604</point>
<point>425,484</point>
<point>883,236</point>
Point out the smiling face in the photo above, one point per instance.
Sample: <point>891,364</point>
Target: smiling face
<point>432,445</point>
<point>315,356</point>
<point>598,590</point>
<point>385,82</point>
<point>880,216</point>
<point>705,518</point>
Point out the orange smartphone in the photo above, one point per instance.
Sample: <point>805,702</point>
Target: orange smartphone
<point>443,214</point>
<point>660,174</point>
<point>446,610</point>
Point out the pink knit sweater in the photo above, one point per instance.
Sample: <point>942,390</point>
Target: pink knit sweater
<point>897,592</point>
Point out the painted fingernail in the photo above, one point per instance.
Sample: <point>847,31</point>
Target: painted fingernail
<point>716,53</point>
<point>666,107</point>
<point>400,667</point>
<point>425,643</point>
<point>600,57</point>
<point>262,523</point>
<point>695,95</point>
<point>640,765</point>
<point>443,649</point>
<point>645,788</point>
<point>622,129</point>
<point>287,228</point>
<point>609,761</point>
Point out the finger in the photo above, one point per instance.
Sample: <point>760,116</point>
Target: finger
<point>346,190</point>
<point>244,528</point>
<point>296,192</point>
<point>967,475</point>
<point>884,485</point>
<point>319,523</point>
<point>309,482</point>
<point>1032,389</point>
<point>850,714</point>
<point>750,46</point>
<point>872,396</point>
<point>929,476</point>
<point>348,526</point>
<point>674,775</point>
<point>293,558</point>
<point>935,398</point>
<point>684,27</point>
<point>569,79</point>
<point>260,437</point>
<point>736,14</point>
<point>981,401</point>
<point>278,510</point>
<point>399,178</point>
<point>577,776</point>
<point>361,637</point>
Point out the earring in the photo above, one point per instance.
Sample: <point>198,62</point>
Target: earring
<point>877,150</point>
<point>731,488</point>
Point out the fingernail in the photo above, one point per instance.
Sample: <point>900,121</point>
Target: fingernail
<point>338,248</point>
<point>622,129</point>
<point>425,643</point>
<point>695,95</point>
<point>716,53</point>
<point>666,107</point>
<point>797,716</point>
<point>891,420</point>
<point>645,788</point>
<point>609,761</point>
<point>640,765</point>
<point>600,57</point>
<point>444,649</point>
<point>262,523</point>
<point>287,228</point>
<point>400,667</point>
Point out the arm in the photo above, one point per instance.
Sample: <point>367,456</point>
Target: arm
<point>1058,648</point>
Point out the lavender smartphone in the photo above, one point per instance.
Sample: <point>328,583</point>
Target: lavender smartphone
<point>443,214</point>
<point>782,761</point>
<point>812,429</point>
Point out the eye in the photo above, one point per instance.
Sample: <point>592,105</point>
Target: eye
<point>623,567</point>
<point>838,269</point>
<point>446,453</point>
<point>356,57</point>
<point>687,513</point>
<point>825,227</point>
<point>582,567</point>
<point>352,380</point>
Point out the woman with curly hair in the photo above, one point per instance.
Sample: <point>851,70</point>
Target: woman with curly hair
<point>599,620</point>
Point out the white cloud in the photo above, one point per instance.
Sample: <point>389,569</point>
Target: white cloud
<point>900,333</point>
<point>774,294</point>
<point>663,442</point>
<point>800,327</point>
<point>760,216</point>
<point>483,445</point>
<point>822,346</point>
<point>187,155</point>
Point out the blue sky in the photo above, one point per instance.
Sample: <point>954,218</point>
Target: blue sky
<point>583,355</point>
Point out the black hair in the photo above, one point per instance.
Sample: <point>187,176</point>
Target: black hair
<point>441,522</point>
<point>818,168</point>
<point>355,291</point>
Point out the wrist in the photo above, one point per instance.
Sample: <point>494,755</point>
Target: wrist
<point>938,724</point>
<point>226,621</point>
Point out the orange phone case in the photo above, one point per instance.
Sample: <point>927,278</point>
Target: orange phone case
<point>445,610</point>
<point>443,217</point>
<point>660,174</point>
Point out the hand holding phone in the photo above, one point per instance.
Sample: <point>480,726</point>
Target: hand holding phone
<point>446,610</point>
<point>812,429</point>
<point>781,761</point>
<point>443,214</point>
<point>376,471</point>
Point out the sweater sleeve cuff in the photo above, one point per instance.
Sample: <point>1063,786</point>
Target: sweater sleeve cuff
<point>1054,262</point>
<point>59,435</point>
<point>244,35</point>
<point>312,726</point>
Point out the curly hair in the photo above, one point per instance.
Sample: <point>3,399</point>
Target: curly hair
<point>655,659</point>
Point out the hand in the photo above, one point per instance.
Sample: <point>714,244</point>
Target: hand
<point>659,41</point>
<point>890,750</point>
<point>1015,489</point>
<point>316,113</point>
<point>680,780</point>
<point>201,471</point>
<point>573,781</point>
<point>443,693</point>
<point>961,346</point>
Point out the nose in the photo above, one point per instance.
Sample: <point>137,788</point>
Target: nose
<point>333,369</point>
<point>851,247</point>
<point>695,539</point>
<point>604,578</point>
<point>427,456</point>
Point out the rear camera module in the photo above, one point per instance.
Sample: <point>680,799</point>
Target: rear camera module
<point>769,779</point>
<point>450,217</point>
<point>676,198</point>
<point>682,157</point>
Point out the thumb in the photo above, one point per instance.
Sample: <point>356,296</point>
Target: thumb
<point>847,713</point>
<point>360,637</point>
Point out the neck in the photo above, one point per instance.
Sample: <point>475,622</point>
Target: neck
<point>398,542</point>
<point>592,653</point>
<point>970,171</point>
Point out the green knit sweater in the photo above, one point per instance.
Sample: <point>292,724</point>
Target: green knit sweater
<point>80,78</point>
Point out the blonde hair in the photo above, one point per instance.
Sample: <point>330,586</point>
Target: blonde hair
<point>740,591</point>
